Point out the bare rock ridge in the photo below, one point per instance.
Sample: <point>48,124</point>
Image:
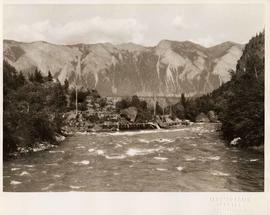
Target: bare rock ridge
<point>167,69</point>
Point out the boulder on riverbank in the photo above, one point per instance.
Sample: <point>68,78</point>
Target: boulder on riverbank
<point>202,117</point>
<point>212,116</point>
<point>235,141</point>
<point>129,113</point>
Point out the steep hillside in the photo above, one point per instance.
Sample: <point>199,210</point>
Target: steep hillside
<point>239,103</point>
<point>168,69</point>
<point>244,115</point>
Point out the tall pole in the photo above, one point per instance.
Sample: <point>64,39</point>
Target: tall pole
<point>78,69</point>
<point>155,104</point>
<point>76,97</point>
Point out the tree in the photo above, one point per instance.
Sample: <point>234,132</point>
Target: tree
<point>179,110</point>
<point>66,85</point>
<point>102,102</point>
<point>36,76</point>
<point>120,105</point>
<point>59,97</point>
<point>244,115</point>
<point>32,113</point>
<point>159,110</point>
<point>135,101</point>
<point>49,77</point>
<point>183,100</point>
<point>20,79</point>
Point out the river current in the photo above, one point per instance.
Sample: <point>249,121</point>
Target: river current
<point>192,158</point>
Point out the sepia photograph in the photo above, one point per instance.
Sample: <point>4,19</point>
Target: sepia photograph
<point>133,98</point>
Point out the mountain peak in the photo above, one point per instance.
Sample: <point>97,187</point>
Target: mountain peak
<point>131,47</point>
<point>219,49</point>
<point>174,66</point>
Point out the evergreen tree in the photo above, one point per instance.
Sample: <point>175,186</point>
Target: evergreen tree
<point>38,77</point>
<point>32,113</point>
<point>66,85</point>
<point>20,79</point>
<point>244,115</point>
<point>49,77</point>
<point>183,100</point>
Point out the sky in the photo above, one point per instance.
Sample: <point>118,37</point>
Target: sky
<point>206,24</point>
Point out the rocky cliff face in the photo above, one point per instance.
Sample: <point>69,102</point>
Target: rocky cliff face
<point>168,69</point>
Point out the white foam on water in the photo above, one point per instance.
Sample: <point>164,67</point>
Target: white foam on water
<point>48,187</point>
<point>84,162</point>
<point>52,164</point>
<point>100,152</point>
<point>15,169</point>
<point>57,176</point>
<point>210,143</point>
<point>143,140</point>
<point>163,140</point>
<point>116,173</point>
<point>161,169</point>
<point>80,147</point>
<point>170,149</point>
<point>123,142</point>
<point>118,145</point>
<point>160,158</point>
<point>24,173</point>
<point>187,138</point>
<point>76,187</point>
<point>115,157</point>
<point>137,151</point>
<point>253,160</point>
<point>91,150</point>
<point>29,166</point>
<point>179,168</point>
<point>234,161</point>
<point>44,172</point>
<point>133,152</point>
<point>57,152</point>
<point>82,133</point>
<point>15,182</point>
<point>132,133</point>
<point>219,173</point>
<point>216,158</point>
<point>190,159</point>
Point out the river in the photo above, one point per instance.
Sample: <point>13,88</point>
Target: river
<point>192,158</point>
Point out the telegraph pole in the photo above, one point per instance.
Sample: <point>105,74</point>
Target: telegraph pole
<point>76,97</point>
<point>78,69</point>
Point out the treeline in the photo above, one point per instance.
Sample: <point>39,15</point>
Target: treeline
<point>144,114</point>
<point>186,108</point>
<point>239,103</point>
<point>32,109</point>
<point>244,113</point>
<point>82,95</point>
<point>190,108</point>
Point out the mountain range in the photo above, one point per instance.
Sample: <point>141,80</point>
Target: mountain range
<point>167,69</point>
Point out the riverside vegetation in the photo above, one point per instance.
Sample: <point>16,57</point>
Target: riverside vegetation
<point>35,107</point>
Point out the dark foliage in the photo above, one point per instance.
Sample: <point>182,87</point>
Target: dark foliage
<point>32,110</point>
<point>239,103</point>
<point>36,77</point>
<point>49,77</point>
<point>144,114</point>
<point>244,115</point>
